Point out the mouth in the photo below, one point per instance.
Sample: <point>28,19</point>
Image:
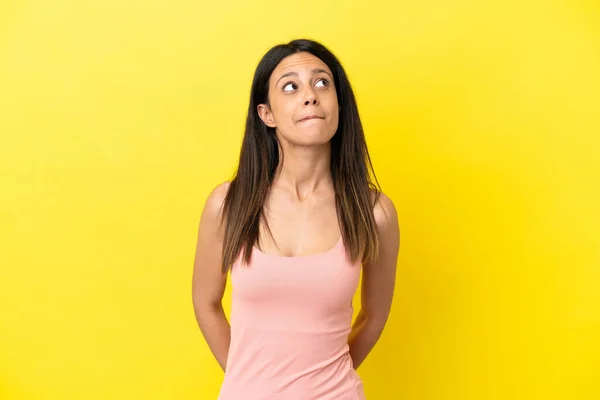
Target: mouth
<point>309,117</point>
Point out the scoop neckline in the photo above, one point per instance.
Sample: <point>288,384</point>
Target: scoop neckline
<point>323,253</point>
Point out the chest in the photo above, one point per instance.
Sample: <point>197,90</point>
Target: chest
<point>292,229</point>
<point>317,286</point>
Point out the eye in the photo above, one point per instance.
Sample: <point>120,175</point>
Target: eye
<point>289,87</point>
<point>322,82</point>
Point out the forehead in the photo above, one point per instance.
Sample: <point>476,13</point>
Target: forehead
<point>299,62</point>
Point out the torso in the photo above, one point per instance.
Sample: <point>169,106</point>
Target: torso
<point>291,309</point>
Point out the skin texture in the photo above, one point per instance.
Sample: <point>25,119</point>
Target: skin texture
<point>300,208</point>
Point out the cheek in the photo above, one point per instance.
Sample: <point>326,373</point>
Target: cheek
<point>330,100</point>
<point>332,107</point>
<point>282,110</point>
<point>287,113</point>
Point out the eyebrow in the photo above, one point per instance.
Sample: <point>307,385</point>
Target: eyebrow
<point>292,73</point>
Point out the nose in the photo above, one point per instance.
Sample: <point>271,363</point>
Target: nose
<point>310,97</point>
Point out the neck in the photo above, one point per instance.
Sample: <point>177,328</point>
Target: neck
<point>304,170</point>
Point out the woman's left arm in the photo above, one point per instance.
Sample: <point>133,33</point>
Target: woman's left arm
<point>378,282</point>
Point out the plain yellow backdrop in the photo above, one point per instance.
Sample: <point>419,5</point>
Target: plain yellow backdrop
<point>118,118</point>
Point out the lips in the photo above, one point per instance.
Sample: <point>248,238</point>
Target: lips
<point>309,117</point>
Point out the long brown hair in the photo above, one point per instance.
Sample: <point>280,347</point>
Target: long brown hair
<point>351,166</point>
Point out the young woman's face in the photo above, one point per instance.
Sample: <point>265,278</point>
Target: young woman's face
<point>303,102</point>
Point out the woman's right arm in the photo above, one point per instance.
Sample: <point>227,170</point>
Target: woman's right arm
<point>208,282</point>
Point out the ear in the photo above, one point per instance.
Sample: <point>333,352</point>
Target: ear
<point>264,112</point>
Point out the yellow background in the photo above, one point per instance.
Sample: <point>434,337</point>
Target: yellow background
<point>118,117</point>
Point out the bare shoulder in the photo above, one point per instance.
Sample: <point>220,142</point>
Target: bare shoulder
<point>385,213</point>
<point>211,219</point>
<point>215,199</point>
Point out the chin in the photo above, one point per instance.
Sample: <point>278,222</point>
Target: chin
<point>309,137</point>
<point>317,139</point>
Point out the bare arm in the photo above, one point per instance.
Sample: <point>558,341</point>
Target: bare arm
<point>208,282</point>
<point>378,283</point>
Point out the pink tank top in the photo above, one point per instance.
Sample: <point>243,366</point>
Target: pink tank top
<point>290,321</point>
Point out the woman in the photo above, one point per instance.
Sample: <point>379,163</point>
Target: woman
<point>293,228</point>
